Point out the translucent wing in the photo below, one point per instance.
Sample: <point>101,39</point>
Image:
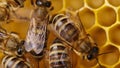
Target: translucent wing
<point>36,36</point>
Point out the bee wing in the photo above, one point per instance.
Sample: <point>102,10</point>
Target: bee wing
<point>36,36</point>
<point>76,18</point>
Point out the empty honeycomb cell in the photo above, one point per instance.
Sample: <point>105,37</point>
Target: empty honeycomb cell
<point>114,34</point>
<point>111,57</point>
<point>106,16</point>
<point>95,3</point>
<point>99,35</point>
<point>87,17</point>
<point>74,4</point>
<point>114,2</point>
<point>57,5</point>
<point>84,63</point>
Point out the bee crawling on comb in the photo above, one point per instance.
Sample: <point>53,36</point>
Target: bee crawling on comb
<point>13,50</point>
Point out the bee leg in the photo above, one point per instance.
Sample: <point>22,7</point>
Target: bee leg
<point>32,3</point>
<point>20,17</point>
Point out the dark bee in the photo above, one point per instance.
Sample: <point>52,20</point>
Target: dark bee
<point>70,29</point>
<point>9,7</point>
<point>58,56</point>
<point>14,62</point>
<point>37,32</point>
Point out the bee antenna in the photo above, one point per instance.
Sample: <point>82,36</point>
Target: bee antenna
<point>2,49</point>
<point>100,55</point>
<point>105,53</point>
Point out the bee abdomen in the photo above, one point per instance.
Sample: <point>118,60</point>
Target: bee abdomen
<point>40,55</point>
<point>58,56</point>
<point>65,27</point>
<point>14,62</point>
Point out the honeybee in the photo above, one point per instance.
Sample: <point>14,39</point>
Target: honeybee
<point>12,47</point>
<point>14,62</point>
<point>10,43</point>
<point>37,33</point>
<point>70,30</point>
<point>8,8</point>
<point>58,56</point>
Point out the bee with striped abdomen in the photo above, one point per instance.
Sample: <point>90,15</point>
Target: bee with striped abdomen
<point>64,27</point>
<point>10,43</point>
<point>70,30</point>
<point>14,62</point>
<point>58,56</point>
<point>12,47</point>
<point>37,32</point>
<point>8,9</point>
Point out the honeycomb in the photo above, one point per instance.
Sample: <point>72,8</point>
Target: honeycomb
<point>101,19</point>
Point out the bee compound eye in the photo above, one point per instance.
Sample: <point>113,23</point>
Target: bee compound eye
<point>20,51</point>
<point>39,3</point>
<point>47,3</point>
<point>89,57</point>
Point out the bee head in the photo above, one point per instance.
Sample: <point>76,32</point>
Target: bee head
<point>41,3</point>
<point>93,53</point>
<point>44,3</point>
<point>20,48</point>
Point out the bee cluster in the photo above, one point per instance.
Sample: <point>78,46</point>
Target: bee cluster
<point>67,27</point>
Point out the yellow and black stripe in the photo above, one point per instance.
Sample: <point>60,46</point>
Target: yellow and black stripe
<point>64,27</point>
<point>58,56</point>
<point>14,62</point>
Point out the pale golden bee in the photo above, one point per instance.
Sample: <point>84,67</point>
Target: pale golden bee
<point>37,33</point>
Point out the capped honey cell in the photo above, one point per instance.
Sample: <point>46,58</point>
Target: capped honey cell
<point>99,35</point>
<point>114,34</point>
<point>87,17</point>
<point>95,3</point>
<point>115,3</point>
<point>110,56</point>
<point>106,16</point>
